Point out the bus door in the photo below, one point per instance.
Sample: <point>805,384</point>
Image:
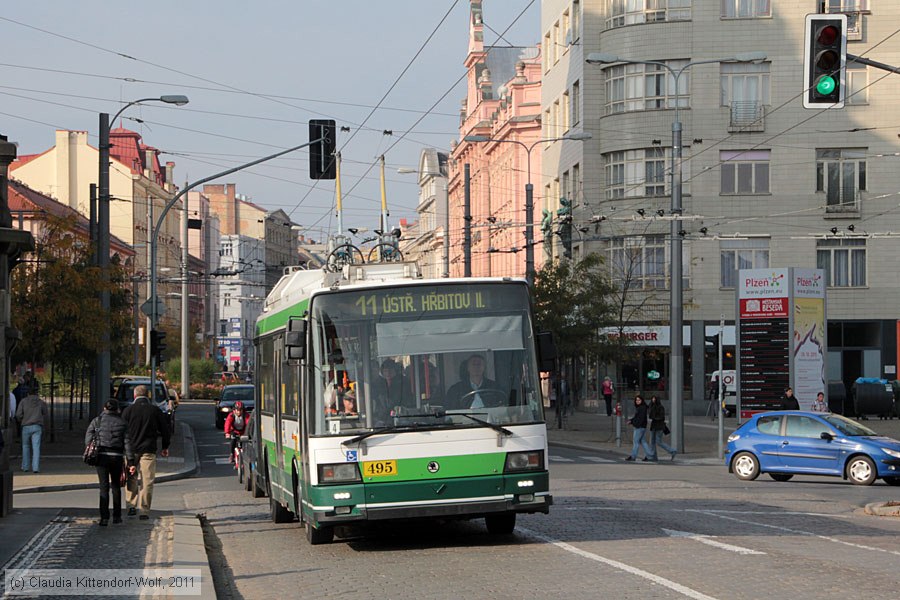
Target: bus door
<point>278,395</point>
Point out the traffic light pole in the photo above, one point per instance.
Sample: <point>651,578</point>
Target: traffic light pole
<point>154,237</point>
<point>872,63</point>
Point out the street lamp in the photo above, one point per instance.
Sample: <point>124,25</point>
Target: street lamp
<point>445,249</point>
<point>578,136</point>
<point>103,361</point>
<point>676,308</point>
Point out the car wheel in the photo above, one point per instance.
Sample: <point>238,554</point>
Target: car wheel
<point>892,480</point>
<point>781,476</point>
<point>861,470</point>
<point>745,466</point>
<point>500,523</point>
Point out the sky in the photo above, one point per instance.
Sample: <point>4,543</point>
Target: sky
<point>255,73</point>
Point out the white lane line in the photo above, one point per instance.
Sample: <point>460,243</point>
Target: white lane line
<point>799,532</point>
<point>219,461</point>
<point>707,539</point>
<point>597,459</point>
<point>767,512</point>
<point>690,593</point>
<point>590,508</point>
<point>554,458</point>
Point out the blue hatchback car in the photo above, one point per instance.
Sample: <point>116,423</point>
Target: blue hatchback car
<point>788,443</point>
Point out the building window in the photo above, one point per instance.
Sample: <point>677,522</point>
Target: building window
<point>556,42</point>
<point>632,12</point>
<point>565,31</point>
<point>857,83</point>
<point>226,299</point>
<point>639,262</point>
<point>547,51</point>
<point>548,126</point>
<point>565,191</point>
<point>841,175</point>
<point>746,9</point>
<point>555,121</point>
<point>844,262</point>
<point>742,254</point>
<point>854,10</point>
<point>566,112</point>
<point>576,181</point>
<point>634,173</point>
<point>744,171</point>
<point>645,87</point>
<point>576,20</point>
<point>745,82</point>
<point>576,103</point>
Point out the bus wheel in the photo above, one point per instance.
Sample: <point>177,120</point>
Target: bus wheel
<point>279,513</point>
<point>501,523</point>
<point>319,535</point>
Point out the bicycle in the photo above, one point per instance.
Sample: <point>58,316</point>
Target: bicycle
<point>238,456</point>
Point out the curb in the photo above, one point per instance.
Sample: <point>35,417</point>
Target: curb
<point>883,509</point>
<point>186,472</point>
<point>189,552</point>
<point>703,459</point>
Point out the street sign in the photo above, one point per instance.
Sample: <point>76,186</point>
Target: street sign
<point>147,308</point>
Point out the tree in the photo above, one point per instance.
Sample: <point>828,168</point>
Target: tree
<point>573,300</point>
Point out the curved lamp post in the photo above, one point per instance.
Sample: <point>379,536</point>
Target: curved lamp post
<point>529,188</point>
<point>676,308</point>
<point>103,360</point>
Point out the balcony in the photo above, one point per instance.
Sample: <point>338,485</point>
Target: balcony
<point>747,116</point>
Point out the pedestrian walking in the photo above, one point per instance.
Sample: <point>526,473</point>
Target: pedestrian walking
<point>144,423</point>
<point>565,394</point>
<point>607,389</point>
<point>109,427</point>
<point>33,415</point>
<point>639,422</point>
<point>789,400</point>
<point>658,429</point>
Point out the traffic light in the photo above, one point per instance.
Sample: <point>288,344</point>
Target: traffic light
<point>712,340</point>
<point>825,61</point>
<point>158,345</point>
<point>323,140</point>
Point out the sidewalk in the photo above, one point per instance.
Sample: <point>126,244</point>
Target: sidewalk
<point>596,432</point>
<point>54,538</point>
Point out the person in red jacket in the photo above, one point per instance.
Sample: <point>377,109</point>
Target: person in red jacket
<point>235,425</point>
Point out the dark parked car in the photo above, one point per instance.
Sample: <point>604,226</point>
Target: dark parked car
<point>125,395</point>
<point>254,481</point>
<point>231,394</point>
<point>788,443</point>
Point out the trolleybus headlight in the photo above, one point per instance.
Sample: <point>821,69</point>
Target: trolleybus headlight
<point>338,473</point>
<point>524,461</point>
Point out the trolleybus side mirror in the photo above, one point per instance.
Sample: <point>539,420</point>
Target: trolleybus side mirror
<point>295,339</point>
<point>547,353</point>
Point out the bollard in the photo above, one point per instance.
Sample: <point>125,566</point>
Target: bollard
<point>618,425</point>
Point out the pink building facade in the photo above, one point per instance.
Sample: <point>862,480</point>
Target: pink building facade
<point>503,103</point>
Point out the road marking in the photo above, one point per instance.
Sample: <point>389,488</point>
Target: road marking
<point>597,459</point>
<point>800,532</point>
<point>554,458</point>
<point>707,539</point>
<point>220,461</point>
<point>690,593</point>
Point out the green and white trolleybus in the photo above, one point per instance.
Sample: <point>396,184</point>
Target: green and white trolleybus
<point>381,395</point>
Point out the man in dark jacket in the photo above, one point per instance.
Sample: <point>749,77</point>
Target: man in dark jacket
<point>144,423</point>
<point>639,422</point>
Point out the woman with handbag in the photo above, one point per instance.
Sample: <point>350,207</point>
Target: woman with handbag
<point>108,432</point>
<point>658,428</point>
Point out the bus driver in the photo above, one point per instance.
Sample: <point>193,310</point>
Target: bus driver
<point>465,393</point>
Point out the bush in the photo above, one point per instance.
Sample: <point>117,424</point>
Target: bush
<point>205,391</point>
<point>201,370</point>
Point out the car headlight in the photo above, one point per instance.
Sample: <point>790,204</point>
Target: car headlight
<point>890,452</point>
<point>734,437</point>
<point>224,409</point>
<point>338,473</point>
<point>524,461</point>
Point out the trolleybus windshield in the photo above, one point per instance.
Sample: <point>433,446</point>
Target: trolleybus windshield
<point>423,356</point>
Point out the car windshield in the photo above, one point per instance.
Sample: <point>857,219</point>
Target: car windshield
<point>128,391</point>
<point>239,393</point>
<point>425,356</point>
<point>846,426</point>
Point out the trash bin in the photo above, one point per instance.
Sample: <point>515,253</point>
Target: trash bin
<point>837,397</point>
<point>873,397</point>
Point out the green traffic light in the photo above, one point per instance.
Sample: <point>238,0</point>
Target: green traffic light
<point>825,85</point>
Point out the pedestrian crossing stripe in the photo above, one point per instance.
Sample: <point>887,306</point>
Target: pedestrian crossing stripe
<point>554,458</point>
<point>593,459</point>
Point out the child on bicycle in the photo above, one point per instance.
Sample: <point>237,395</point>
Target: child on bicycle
<point>235,425</point>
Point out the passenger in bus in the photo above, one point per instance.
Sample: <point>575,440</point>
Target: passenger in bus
<point>390,388</point>
<point>467,393</point>
<point>348,402</point>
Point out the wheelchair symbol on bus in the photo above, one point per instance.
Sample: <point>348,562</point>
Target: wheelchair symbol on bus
<point>351,455</point>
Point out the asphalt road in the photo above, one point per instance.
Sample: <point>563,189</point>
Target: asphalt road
<point>617,530</point>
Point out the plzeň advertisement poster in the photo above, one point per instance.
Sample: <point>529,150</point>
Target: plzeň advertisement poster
<point>763,338</point>
<point>808,344</point>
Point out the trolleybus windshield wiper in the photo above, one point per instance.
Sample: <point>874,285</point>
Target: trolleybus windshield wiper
<point>484,423</point>
<point>377,431</point>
